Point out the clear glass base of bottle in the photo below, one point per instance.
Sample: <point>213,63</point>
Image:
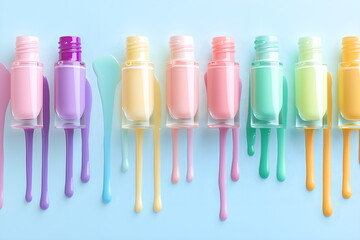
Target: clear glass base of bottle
<point>301,124</point>
<point>258,123</point>
<point>27,123</point>
<point>182,123</point>
<point>223,123</point>
<point>136,124</point>
<point>349,124</point>
<point>60,123</point>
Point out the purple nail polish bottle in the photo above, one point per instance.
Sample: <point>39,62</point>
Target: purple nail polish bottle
<point>70,80</point>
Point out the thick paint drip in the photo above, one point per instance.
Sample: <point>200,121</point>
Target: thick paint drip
<point>29,133</point>
<point>327,204</point>
<point>4,102</point>
<point>281,166</point>
<point>106,196</point>
<point>346,187</point>
<point>69,190</point>
<point>250,132</point>
<point>44,199</point>
<point>264,168</point>
<point>222,174</point>
<point>175,175</point>
<point>157,206</point>
<point>85,163</point>
<point>190,162</point>
<point>107,70</point>
<point>69,134</point>
<point>235,172</point>
<point>138,172</point>
<point>310,175</point>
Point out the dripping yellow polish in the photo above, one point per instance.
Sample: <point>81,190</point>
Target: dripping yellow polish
<point>141,109</point>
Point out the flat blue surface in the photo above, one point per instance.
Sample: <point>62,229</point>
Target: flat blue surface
<point>258,209</point>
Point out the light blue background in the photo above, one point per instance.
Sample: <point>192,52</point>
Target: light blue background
<point>258,209</point>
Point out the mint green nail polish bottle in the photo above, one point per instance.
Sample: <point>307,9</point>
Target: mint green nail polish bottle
<point>266,84</point>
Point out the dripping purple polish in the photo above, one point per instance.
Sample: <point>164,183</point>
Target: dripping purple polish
<point>29,133</point>
<point>69,191</point>
<point>72,104</point>
<point>85,166</point>
<point>44,200</point>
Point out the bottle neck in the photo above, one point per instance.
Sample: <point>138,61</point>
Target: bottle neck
<point>70,48</point>
<point>181,48</point>
<point>310,49</point>
<point>137,49</point>
<point>266,48</point>
<point>223,49</point>
<point>27,49</point>
<point>350,49</point>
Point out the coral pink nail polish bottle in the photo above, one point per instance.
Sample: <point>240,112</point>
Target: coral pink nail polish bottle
<point>182,84</point>
<point>223,84</point>
<point>27,84</point>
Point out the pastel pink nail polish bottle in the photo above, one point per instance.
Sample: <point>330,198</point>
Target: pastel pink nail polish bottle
<point>222,84</point>
<point>27,84</point>
<point>182,97</point>
<point>223,88</point>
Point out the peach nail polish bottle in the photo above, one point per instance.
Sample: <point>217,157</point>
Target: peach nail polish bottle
<point>182,98</point>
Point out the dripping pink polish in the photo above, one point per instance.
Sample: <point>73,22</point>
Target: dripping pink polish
<point>223,88</point>
<point>182,97</point>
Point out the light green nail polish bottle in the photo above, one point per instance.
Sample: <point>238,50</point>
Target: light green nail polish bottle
<point>310,85</point>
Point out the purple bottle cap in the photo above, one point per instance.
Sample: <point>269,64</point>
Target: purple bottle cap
<point>69,48</point>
